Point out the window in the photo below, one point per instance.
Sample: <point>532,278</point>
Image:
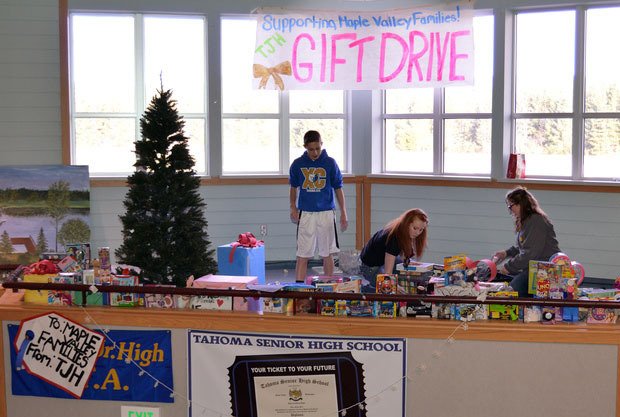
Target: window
<point>444,130</point>
<point>262,130</point>
<point>118,61</point>
<point>567,93</point>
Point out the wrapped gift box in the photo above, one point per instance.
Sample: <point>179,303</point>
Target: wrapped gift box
<point>37,296</point>
<point>245,261</point>
<point>225,282</point>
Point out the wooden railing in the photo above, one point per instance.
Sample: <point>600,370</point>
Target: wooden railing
<point>86,289</point>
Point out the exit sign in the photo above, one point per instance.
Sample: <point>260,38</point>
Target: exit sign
<point>129,411</point>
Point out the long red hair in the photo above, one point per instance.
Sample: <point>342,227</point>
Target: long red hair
<point>399,227</point>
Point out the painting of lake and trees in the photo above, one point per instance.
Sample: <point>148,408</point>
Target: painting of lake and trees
<point>42,209</point>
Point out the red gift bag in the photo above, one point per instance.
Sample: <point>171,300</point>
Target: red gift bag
<point>516,166</point>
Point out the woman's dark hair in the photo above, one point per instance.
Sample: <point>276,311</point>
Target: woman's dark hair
<point>399,227</point>
<point>527,204</point>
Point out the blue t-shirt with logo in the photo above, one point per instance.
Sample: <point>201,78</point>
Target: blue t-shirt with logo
<point>316,181</point>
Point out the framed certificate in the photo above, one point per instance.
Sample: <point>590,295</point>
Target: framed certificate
<point>297,385</point>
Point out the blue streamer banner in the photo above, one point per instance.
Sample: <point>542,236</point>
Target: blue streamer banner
<point>113,378</point>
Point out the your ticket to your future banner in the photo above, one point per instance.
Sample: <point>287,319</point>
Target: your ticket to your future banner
<point>297,385</point>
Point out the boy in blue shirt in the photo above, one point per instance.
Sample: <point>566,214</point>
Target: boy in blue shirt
<point>318,178</point>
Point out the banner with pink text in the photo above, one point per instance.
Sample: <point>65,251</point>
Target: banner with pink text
<point>405,48</point>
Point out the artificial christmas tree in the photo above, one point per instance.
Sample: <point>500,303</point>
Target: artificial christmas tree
<point>164,229</point>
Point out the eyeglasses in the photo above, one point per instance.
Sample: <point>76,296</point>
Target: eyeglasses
<point>510,205</point>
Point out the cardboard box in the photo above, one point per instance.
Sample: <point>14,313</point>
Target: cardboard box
<point>245,261</point>
<point>225,282</point>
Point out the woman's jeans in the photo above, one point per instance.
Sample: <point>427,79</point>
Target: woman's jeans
<point>370,275</point>
<point>518,282</point>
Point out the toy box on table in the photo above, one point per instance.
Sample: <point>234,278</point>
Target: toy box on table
<point>225,282</point>
<point>386,284</point>
<point>540,270</point>
<point>159,300</point>
<point>466,312</point>
<point>124,299</point>
<point>92,298</point>
<point>455,269</point>
<point>503,311</point>
<point>412,282</point>
<point>271,304</point>
<point>245,261</point>
<point>337,307</point>
<point>63,297</point>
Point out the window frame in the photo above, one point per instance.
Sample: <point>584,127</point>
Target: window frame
<point>438,116</point>
<point>141,99</point>
<point>578,115</point>
<point>284,116</point>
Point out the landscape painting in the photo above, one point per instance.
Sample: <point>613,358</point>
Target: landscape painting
<point>43,208</point>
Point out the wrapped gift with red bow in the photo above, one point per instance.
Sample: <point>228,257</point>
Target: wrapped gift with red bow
<point>245,257</point>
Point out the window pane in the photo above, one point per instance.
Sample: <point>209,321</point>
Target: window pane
<point>467,146</point>
<point>106,145</point>
<point>476,98</point>
<point>602,75</point>
<point>409,145</point>
<point>195,131</point>
<point>307,101</point>
<point>250,145</point>
<point>602,148</point>
<point>103,63</point>
<point>409,100</point>
<point>545,62</point>
<point>238,37</point>
<point>174,55</point>
<point>546,144</point>
<point>332,133</point>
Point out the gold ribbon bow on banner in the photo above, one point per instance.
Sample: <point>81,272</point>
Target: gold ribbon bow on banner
<point>264,73</point>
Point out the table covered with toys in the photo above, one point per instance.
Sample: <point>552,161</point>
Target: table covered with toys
<point>558,278</point>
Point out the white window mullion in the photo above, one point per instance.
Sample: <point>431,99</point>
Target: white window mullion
<point>285,132</point>
<point>438,139</point>
<point>579,95</point>
<point>140,98</point>
<point>72,116</point>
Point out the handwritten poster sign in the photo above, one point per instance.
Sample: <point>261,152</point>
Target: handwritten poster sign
<point>423,47</point>
<point>295,376</point>
<point>113,379</point>
<point>58,350</point>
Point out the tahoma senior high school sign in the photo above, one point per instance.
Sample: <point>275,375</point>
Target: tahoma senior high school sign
<point>272,375</point>
<point>422,47</point>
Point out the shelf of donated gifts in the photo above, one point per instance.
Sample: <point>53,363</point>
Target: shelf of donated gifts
<point>460,289</point>
<point>265,290</point>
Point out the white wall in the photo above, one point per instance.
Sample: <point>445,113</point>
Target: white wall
<point>470,220</point>
<point>29,83</point>
<point>230,210</point>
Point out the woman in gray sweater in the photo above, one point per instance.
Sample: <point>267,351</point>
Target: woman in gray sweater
<point>536,238</point>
